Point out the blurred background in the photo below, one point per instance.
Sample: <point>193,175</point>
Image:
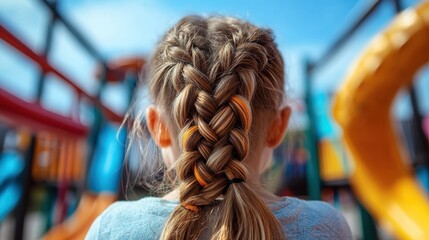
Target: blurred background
<point>68,69</point>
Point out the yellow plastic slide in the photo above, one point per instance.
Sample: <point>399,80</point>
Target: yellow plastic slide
<point>75,228</point>
<point>382,179</point>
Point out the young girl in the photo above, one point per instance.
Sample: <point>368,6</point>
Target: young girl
<point>217,90</point>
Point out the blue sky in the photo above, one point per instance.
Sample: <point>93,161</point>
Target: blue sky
<point>303,28</point>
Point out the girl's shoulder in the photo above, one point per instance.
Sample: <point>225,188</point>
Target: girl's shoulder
<point>303,219</point>
<point>145,219</point>
<point>141,219</point>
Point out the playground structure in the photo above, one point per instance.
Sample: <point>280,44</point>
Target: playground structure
<point>409,206</point>
<point>382,179</point>
<point>55,152</point>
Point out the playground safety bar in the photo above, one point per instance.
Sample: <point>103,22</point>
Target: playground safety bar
<point>18,112</point>
<point>47,68</point>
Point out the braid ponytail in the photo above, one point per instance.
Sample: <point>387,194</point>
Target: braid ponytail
<point>243,214</point>
<point>211,73</point>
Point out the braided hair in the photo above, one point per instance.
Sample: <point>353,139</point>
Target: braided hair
<point>215,77</point>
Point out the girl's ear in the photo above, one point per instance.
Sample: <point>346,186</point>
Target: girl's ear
<point>158,127</point>
<point>278,127</point>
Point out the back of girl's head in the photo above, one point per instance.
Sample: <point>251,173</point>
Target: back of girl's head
<point>217,79</point>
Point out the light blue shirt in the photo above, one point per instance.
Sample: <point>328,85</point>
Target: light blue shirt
<point>145,219</point>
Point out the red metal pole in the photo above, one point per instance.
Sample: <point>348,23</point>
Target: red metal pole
<point>13,41</point>
<point>18,112</point>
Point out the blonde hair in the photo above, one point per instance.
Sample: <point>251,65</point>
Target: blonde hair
<point>216,78</point>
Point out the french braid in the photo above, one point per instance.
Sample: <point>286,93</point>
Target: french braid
<point>209,72</point>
